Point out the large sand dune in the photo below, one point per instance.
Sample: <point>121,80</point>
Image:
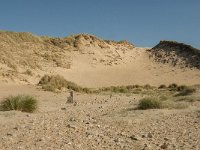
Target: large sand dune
<point>93,62</point>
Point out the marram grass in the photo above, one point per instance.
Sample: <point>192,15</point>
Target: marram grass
<point>24,103</point>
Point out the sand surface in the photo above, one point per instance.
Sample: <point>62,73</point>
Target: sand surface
<point>96,122</point>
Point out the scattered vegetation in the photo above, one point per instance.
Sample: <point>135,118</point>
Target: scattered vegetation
<point>126,89</point>
<point>182,89</point>
<point>24,103</point>
<point>187,91</point>
<point>58,83</point>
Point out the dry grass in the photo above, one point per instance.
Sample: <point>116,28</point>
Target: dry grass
<point>16,49</point>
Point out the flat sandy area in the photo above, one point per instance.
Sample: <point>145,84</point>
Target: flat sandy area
<point>97,121</point>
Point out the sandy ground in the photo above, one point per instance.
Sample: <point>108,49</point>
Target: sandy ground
<point>96,122</point>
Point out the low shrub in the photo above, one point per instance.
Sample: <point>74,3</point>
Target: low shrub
<point>24,103</point>
<point>149,103</point>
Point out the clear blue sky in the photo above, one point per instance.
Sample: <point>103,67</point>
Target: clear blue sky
<point>142,22</point>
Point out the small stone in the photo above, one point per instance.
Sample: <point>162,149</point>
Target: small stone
<point>71,126</point>
<point>164,146</point>
<point>63,108</point>
<point>149,135</point>
<point>116,140</point>
<point>146,147</point>
<point>166,139</point>
<point>133,137</point>
<point>98,126</point>
<point>16,128</point>
<point>9,134</point>
<point>72,119</point>
<point>143,136</point>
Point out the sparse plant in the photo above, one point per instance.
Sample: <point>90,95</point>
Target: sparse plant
<point>24,103</point>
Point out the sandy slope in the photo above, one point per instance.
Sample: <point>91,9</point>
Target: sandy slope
<point>137,69</point>
<point>88,61</point>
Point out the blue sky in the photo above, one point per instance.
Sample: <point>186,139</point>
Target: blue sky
<point>142,22</point>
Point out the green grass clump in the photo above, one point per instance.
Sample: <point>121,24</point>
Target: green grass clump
<point>24,103</point>
<point>57,83</point>
<point>149,103</point>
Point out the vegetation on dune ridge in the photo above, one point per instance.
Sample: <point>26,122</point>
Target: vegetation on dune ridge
<point>11,36</point>
<point>17,47</point>
<point>174,44</point>
<point>24,103</point>
<point>176,54</point>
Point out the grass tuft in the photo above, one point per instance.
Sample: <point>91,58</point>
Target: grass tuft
<point>24,103</point>
<point>149,103</point>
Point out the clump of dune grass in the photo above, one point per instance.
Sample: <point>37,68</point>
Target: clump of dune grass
<point>58,83</point>
<point>24,103</point>
<point>150,103</point>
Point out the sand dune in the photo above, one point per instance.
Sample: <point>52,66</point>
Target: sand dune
<point>93,62</point>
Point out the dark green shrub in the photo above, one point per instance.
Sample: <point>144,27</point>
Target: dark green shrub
<point>20,103</point>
